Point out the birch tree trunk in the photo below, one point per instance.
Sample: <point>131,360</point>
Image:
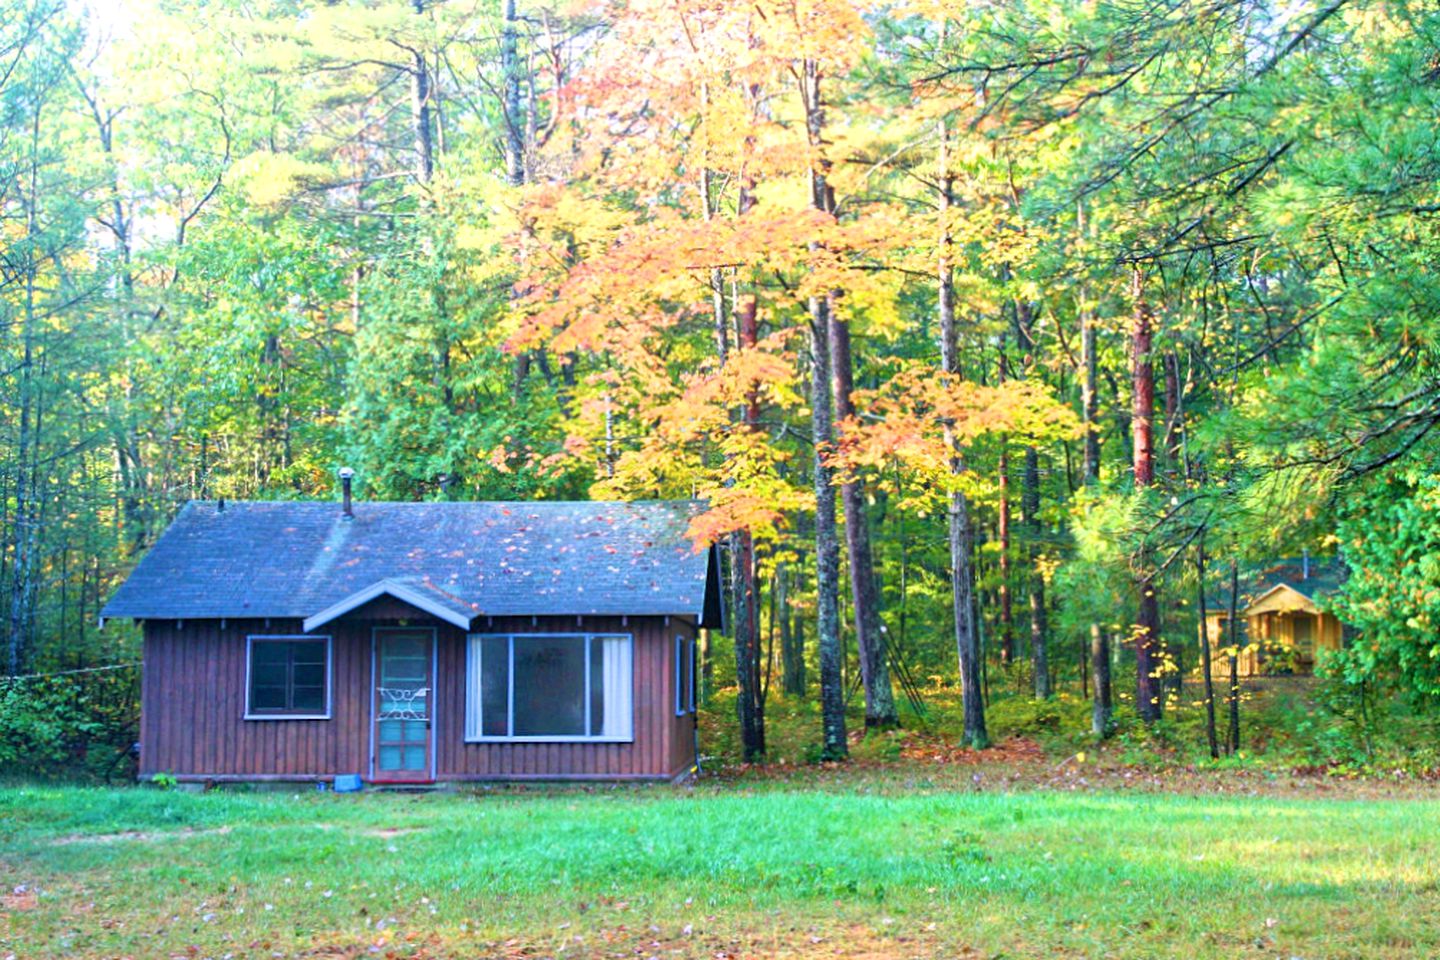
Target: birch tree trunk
<point>960,532</point>
<point>827,546</point>
<point>880,709</point>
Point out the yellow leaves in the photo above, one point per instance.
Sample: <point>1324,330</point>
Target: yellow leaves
<point>268,179</point>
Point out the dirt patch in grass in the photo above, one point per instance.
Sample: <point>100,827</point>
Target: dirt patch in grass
<point>850,942</point>
<point>382,832</point>
<point>20,898</point>
<point>140,836</point>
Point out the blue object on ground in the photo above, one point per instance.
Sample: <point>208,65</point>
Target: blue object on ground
<point>348,783</point>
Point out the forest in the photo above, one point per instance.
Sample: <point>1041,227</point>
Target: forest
<point>1000,339</point>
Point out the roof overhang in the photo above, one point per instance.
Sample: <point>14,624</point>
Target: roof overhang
<point>1281,598</point>
<point>415,595</point>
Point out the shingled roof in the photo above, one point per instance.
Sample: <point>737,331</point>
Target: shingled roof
<point>1313,579</point>
<point>458,560</point>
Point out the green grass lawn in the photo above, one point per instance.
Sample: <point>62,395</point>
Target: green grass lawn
<point>854,869</point>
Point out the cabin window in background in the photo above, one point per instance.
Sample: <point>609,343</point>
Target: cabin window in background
<point>684,676</point>
<point>287,678</point>
<point>680,676</point>
<point>549,687</point>
<point>690,670</point>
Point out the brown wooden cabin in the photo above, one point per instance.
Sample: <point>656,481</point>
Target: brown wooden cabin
<point>421,642</point>
<point>1284,626</point>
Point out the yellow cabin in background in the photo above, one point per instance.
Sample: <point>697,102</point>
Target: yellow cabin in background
<point>1282,626</point>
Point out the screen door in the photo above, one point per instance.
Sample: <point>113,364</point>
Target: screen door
<point>404,687</point>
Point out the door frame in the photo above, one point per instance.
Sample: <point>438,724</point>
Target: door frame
<point>373,721</point>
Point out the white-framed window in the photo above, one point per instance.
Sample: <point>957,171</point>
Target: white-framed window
<point>287,677</point>
<point>684,675</point>
<point>550,686</point>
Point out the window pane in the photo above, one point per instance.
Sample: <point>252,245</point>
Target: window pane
<point>308,699</point>
<point>267,697</point>
<point>308,675</point>
<point>597,685</point>
<point>494,686</point>
<point>269,653</point>
<point>268,675</point>
<point>690,675</point>
<point>549,687</point>
<point>679,675</point>
<point>307,651</point>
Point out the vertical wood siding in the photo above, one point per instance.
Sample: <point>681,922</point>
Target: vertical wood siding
<point>193,705</point>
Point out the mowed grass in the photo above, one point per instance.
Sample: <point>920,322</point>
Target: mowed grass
<point>773,870</point>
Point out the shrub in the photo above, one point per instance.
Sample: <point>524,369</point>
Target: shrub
<point>77,726</point>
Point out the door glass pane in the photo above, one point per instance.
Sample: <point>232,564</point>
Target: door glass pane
<point>549,686</point>
<point>390,758</point>
<point>404,677</point>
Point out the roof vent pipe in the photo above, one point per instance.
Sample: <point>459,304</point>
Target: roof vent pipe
<point>1305,563</point>
<point>346,508</point>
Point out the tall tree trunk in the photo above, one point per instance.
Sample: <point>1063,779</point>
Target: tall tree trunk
<point>960,532</point>
<point>827,546</point>
<point>25,537</point>
<point>1148,693</point>
<point>792,640</point>
<point>1102,709</point>
<point>749,704</point>
<point>510,96</point>
<point>1039,625</point>
<point>1210,737</point>
<point>513,130</point>
<point>1030,504</point>
<point>1173,419</point>
<point>422,129</point>
<point>880,709</point>
<point>1233,734</point>
<point>1002,532</point>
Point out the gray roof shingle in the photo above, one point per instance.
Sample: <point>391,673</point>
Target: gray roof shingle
<point>293,559</point>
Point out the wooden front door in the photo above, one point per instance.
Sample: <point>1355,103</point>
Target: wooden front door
<point>404,701</point>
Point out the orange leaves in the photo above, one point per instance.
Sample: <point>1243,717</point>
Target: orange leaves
<point>655,272</point>
<point>913,420</point>
<point>766,373</point>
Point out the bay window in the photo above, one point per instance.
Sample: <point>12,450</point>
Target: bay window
<point>549,687</point>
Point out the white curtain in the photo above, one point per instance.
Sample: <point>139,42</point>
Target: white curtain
<point>619,709</point>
